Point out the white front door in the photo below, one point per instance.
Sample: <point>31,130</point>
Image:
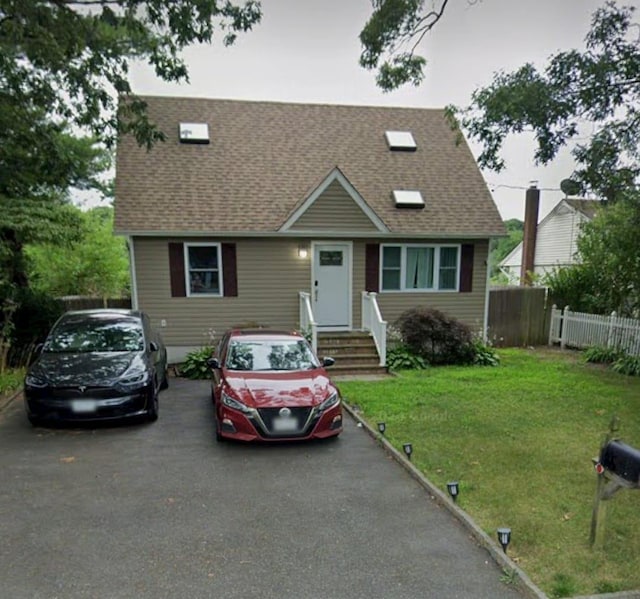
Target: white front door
<point>331,285</point>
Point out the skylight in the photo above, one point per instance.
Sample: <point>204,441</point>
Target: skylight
<point>400,140</point>
<point>194,133</point>
<point>408,199</point>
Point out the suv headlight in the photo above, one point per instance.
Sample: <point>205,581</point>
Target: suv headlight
<point>35,381</point>
<point>331,401</point>
<point>228,401</point>
<point>133,380</point>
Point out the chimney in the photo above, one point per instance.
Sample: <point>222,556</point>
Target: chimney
<point>531,207</point>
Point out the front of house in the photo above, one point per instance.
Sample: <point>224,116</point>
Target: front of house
<point>293,215</point>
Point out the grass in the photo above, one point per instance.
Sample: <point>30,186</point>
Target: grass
<point>10,380</point>
<point>519,438</point>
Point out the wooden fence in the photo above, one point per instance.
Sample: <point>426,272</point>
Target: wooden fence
<point>579,329</point>
<point>518,316</point>
<point>89,303</point>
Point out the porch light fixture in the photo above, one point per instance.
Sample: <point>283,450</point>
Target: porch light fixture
<point>454,488</point>
<point>504,536</point>
<point>408,450</point>
<point>382,427</point>
<point>303,251</point>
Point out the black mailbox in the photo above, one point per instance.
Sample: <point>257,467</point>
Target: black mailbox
<point>623,460</point>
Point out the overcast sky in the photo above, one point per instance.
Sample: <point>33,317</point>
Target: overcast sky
<point>307,51</point>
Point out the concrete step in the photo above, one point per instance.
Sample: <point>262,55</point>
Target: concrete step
<point>356,370</point>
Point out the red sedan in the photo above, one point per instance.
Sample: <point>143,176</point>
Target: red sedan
<point>269,386</point>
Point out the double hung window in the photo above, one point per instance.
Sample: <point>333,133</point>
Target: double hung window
<point>413,267</point>
<point>203,268</point>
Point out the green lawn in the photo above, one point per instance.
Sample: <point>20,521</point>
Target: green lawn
<point>520,438</point>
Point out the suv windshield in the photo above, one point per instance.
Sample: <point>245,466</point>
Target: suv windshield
<point>96,335</point>
<point>270,354</point>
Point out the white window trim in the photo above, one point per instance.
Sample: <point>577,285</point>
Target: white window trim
<point>436,266</point>
<point>187,279</point>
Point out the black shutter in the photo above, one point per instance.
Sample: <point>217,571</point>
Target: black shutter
<point>466,268</point>
<point>372,267</point>
<point>176,270</point>
<point>229,270</point>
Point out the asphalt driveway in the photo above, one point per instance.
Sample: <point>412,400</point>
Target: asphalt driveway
<point>162,510</point>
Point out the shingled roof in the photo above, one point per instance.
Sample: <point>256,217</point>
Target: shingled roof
<point>265,159</point>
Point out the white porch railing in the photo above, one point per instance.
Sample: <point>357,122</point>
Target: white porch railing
<point>578,329</point>
<point>372,322</point>
<point>307,322</point>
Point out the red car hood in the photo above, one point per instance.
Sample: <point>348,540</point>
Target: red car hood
<point>278,389</point>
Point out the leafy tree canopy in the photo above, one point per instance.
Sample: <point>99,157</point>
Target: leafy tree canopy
<point>607,278</point>
<point>69,59</point>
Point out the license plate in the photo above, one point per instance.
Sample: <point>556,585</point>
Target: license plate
<point>285,424</point>
<point>83,406</point>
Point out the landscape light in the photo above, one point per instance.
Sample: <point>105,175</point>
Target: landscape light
<point>453,489</point>
<point>382,427</point>
<point>504,536</point>
<point>408,449</point>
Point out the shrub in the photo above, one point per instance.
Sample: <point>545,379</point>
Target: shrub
<point>195,364</point>
<point>436,337</point>
<point>401,357</point>
<point>626,364</point>
<point>484,354</point>
<point>599,354</point>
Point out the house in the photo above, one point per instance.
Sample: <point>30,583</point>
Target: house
<point>320,217</point>
<point>555,241</point>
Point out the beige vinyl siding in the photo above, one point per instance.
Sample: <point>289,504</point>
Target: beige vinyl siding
<point>467,307</point>
<point>334,210</point>
<point>269,274</point>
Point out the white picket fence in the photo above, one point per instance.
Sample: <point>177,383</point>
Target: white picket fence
<point>580,330</point>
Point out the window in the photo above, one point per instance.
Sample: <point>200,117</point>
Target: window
<point>420,267</point>
<point>203,269</point>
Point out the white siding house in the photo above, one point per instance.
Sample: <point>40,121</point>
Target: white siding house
<point>556,239</point>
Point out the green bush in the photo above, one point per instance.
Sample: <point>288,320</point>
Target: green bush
<point>195,364</point>
<point>484,354</point>
<point>436,337</point>
<point>599,354</point>
<point>629,365</point>
<point>401,357</point>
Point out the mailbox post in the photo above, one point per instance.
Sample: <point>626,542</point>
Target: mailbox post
<point>617,467</point>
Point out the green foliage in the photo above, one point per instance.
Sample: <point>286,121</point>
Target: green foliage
<point>436,337</point>
<point>602,355</point>
<point>402,358</point>
<point>501,247</point>
<point>599,86</point>
<point>629,365</point>
<point>563,586</point>
<point>11,380</point>
<point>66,61</point>
<point>195,364</point>
<point>608,276</point>
<point>484,354</point>
<point>395,24</point>
<point>96,264</point>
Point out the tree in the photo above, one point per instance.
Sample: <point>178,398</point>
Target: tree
<point>599,86</point>
<point>70,59</point>
<point>502,246</point>
<point>608,276</point>
<point>391,36</point>
<point>96,264</point>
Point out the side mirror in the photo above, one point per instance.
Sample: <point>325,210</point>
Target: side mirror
<point>213,363</point>
<point>37,350</point>
<point>153,346</point>
<point>327,361</point>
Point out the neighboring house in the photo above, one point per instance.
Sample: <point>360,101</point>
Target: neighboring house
<point>247,204</point>
<point>555,241</point>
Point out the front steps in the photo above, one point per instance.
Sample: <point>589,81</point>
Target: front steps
<point>354,352</point>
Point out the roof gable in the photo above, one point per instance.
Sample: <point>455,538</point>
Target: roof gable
<point>334,205</point>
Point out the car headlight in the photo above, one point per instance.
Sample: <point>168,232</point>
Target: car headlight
<point>331,401</point>
<point>35,381</point>
<point>228,401</point>
<point>133,380</point>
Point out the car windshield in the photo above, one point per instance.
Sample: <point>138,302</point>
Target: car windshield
<point>270,354</point>
<point>96,335</point>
